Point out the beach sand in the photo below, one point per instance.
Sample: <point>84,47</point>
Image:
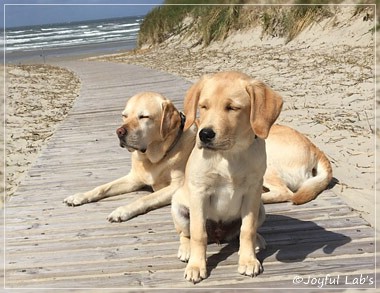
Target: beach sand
<point>326,77</point>
<point>38,97</point>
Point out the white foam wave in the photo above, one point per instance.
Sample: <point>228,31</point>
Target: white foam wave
<point>69,35</point>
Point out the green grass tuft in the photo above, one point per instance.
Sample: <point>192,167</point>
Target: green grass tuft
<point>211,21</point>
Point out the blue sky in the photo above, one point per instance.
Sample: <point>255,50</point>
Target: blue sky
<point>35,12</point>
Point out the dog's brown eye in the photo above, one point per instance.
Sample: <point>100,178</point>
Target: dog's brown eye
<point>124,116</point>
<point>204,107</point>
<point>143,117</point>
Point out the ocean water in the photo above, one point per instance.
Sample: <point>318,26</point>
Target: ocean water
<point>97,36</point>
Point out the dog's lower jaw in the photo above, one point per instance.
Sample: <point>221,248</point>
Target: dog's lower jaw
<point>143,151</point>
<point>203,145</point>
<point>131,148</point>
<point>213,147</point>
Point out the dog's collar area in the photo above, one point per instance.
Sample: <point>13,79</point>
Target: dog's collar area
<point>183,120</point>
<point>180,131</point>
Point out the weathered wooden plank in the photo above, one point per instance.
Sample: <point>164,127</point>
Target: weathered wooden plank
<point>274,222</point>
<point>143,251</point>
<point>159,276</point>
<point>278,236</point>
<point>50,245</point>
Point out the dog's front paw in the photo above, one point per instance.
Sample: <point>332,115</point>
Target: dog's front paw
<point>184,251</point>
<point>121,214</point>
<point>76,199</point>
<point>250,266</point>
<point>195,273</point>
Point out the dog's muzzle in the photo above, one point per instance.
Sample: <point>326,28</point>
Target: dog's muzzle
<point>122,133</point>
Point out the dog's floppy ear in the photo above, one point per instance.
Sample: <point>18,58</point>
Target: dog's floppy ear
<point>266,105</point>
<point>170,118</point>
<point>191,102</point>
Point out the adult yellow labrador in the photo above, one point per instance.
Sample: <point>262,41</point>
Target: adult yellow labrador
<point>224,173</point>
<point>153,131</point>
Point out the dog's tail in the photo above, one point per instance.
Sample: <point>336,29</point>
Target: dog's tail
<point>320,179</point>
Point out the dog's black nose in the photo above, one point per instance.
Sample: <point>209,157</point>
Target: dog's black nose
<point>206,135</point>
<point>121,132</point>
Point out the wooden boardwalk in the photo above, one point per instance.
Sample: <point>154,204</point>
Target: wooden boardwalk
<point>51,245</point>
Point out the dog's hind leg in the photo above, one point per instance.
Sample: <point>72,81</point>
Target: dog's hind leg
<point>275,189</point>
<point>181,218</point>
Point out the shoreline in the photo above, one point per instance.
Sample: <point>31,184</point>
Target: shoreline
<point>64,53</point>
<point>328,88</point>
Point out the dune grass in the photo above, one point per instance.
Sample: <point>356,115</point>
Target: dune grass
<point>288,22</point>
<point>212,21</point>
<point>209,20</point>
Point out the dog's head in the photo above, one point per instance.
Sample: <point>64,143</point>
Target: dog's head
<point>233,109</point>
<point>148,118</point>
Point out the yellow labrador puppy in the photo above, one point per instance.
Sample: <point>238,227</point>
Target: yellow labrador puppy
<point>153,132</point>
<point>224,173</point>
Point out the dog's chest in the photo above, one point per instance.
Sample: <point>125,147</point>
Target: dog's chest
<point>154,175</point>
<point>226,192</point>
<point>225,202</point>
